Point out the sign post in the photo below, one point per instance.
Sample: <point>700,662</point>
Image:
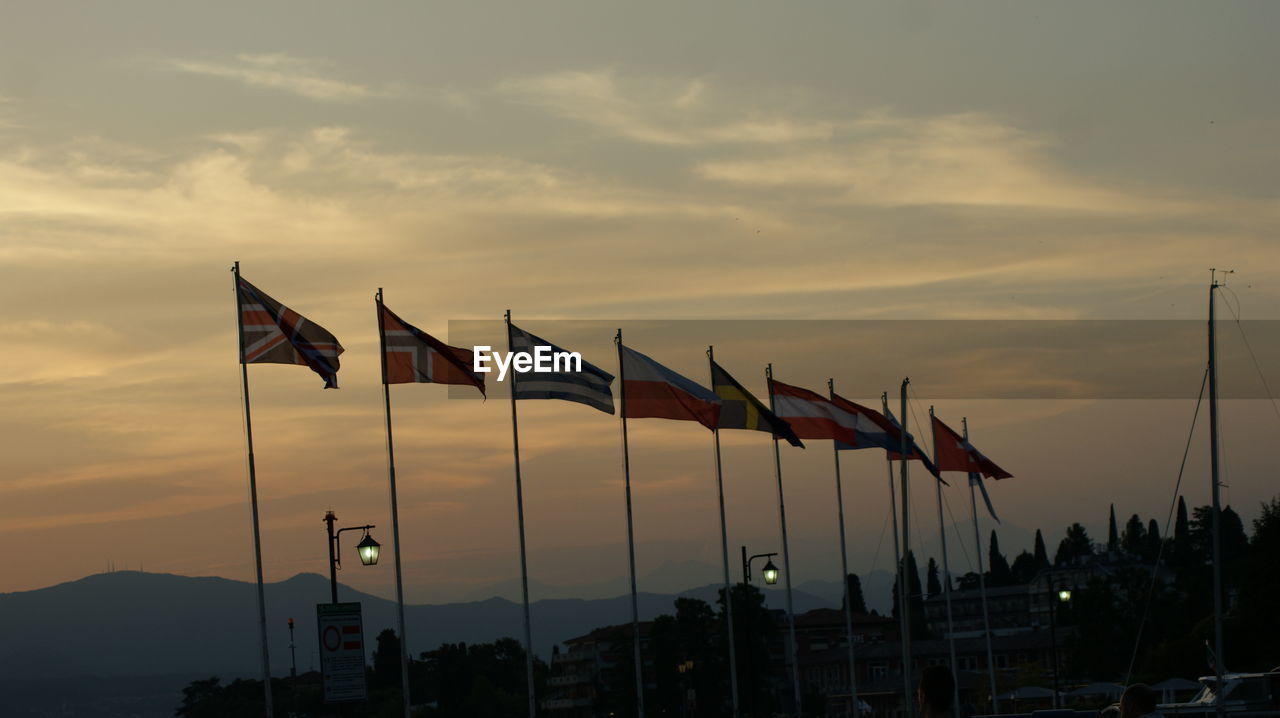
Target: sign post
<point>341,651</point>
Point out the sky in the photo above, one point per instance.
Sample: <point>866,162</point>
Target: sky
<point>625,164</point>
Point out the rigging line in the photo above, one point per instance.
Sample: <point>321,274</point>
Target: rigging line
<point>884,527</point>
<point>1256,364</point>
<point>1155,569</point>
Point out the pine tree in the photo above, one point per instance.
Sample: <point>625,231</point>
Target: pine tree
<point>1113,538</point>
<point>1134,536</point>
<point>1151,546</point>
<point>933,586</point>
<point>857,602</point>
<point>1075,545</point>
<point>1182,537</point>
<point>1000,573</point>
<point>1042,556</point>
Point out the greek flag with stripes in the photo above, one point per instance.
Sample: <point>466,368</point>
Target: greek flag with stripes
<point>589,386</point>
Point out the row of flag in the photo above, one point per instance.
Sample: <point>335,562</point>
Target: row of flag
<point>275,334</point>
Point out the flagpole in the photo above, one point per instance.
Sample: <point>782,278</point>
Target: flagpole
<point>901,574</point>
<point>395,511</point>
<point>524,565</point>
<point>786,552</point>
<point>982,582</point>
<point>724,551</point>
<point>1218,658</point>
<point>631,542</point>
<point>946,577</point>
<point>844,570</point>
<point>253,500</point>
<point>906,543</point>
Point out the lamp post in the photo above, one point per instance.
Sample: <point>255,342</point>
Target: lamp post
<point>770,575</point>
<point>1063,594</point>
<point>367,549</point>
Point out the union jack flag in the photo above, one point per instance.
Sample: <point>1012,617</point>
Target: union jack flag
<point>272,333</point>
<point>413,356</point>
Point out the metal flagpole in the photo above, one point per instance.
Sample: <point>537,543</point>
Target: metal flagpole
<point>724,550</point>
<point>524,565</point>
<point>946,588</point>
<point>906,549</point>
<point>253,501</point>
<point>631,542</point>
<point>900,574</point>
<point>786,553</point>
<point>844,571</point>
<point>1219,660</point>
<point>982,582</point>
<point>395,511</point>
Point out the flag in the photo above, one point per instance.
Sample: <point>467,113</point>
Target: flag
<point>975,479</point>
<point>589,386</point>
<point>811,415</point>
<point>271,333</point>
<point>875,430</point>
<point>651,390</point>
<point>411,355</point>
<point>740,410</point>
<point>955,453</point>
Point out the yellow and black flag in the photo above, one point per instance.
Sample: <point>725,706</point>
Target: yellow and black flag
<point>741,410</point>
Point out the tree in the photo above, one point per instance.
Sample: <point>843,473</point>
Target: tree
<point>1024,568</point>
<point>934,587</point>
<point>1042,556</point>
<point>386,660</point>
<point>1113,538</point>
<point>1151,547</point>
<point>1259,586</point>
<point>857,604</point>
<point>1075,546</point>
<point>915,598</point>
<point>1134,536</point>
<point>1000,575</point>
<point>1181,537</point>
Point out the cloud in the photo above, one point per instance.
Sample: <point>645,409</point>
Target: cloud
<point>277,71</point>
<point>659,112</point>
<point>967,159</point>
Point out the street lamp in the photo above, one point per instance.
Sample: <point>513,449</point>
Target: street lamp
<point>770,571</point>
<point>367,549</point>
<point>1063,595</point>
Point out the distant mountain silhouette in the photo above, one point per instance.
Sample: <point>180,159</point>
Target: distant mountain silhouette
<point>129,623</point>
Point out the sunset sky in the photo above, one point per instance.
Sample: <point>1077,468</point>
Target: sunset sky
<point>613,162</point>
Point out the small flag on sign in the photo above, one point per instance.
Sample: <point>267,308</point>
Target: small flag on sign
<point>271,333</point>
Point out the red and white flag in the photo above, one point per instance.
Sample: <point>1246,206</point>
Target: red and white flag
<point>811,415</point>
<point>651,390</point>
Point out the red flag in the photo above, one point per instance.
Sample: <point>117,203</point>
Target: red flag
<point>411,355</point>
<point>811,415</point>
<point>650,390</point>
<point>953,453</point>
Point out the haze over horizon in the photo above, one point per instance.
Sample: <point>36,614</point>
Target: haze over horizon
<point>880,160</point>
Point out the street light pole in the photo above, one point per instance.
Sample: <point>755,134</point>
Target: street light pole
<point>770,577</point>
<point>368,550</point>
<point>1062,594</point>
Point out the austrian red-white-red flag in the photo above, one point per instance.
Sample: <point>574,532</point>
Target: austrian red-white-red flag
<point>811,415</point>
<point>271,333</point>
<point>952,452</point>
<point>410,355</point>
<point>650,390</point>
